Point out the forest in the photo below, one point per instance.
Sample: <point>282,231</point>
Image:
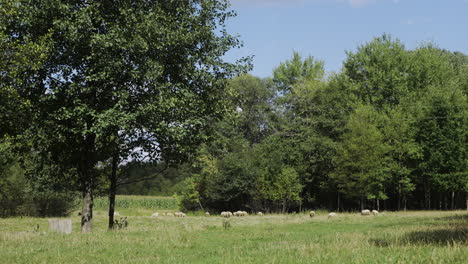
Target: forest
<point>112,110</point>
<point>389,131</point>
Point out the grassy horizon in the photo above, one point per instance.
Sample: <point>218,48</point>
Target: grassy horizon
<point>396,237</point>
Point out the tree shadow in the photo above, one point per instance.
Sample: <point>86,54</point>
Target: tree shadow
<point>450,230</point>
<point>445,236</point>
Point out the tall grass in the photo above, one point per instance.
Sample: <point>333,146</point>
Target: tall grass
<point>135,201</point>
<point>405,237</point>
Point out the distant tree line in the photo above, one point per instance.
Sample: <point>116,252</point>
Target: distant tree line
<point>387,132</point>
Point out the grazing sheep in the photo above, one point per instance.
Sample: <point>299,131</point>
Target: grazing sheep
<point>116,214</point>
<point>375,212</point>
<point>163,214</point>
<point>260,214</point>
<point>169,214</point>
<point>365,212</point>
<point>332,215</point>
<point>240,213</point>
<point>226,214</point>
<point>155,215</point>
<point>312,213</point>
<point>179,214</point>
<point>207,214</point>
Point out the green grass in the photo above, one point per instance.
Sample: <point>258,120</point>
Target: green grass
<point>403,237</point>
<point>135,201</point>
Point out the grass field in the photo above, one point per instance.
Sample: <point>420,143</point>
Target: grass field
<point>403,237</point>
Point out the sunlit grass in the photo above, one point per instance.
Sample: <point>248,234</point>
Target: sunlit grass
<point>411,237</point>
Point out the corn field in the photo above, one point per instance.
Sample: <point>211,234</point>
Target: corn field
<point>134,201</point>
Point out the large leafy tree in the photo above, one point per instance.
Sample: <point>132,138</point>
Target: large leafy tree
<point>362,158</point>
<point>120,79</point>
<point>442,135</point>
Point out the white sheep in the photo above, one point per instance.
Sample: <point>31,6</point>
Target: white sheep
<point>260,214</point>
<point>155,215</point>
<point>312,213</point>
<point>116,214</point>
<point>169,214</point>
<point>207,214</point>
<point>375,212</point>
<point>226,214</point>
<point>179,214</point>
<point>365,212</point>
<point>332,215</point>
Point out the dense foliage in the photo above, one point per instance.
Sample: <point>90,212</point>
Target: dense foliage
<point>391,127</point>
<point>108,96</point>
<point>88,85</point>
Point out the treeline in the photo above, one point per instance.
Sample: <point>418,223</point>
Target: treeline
<point>387,132</point>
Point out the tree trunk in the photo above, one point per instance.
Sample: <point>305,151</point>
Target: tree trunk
<point>440,201</point>
<point>112,191</point>
<point>87,211</point>
<point>399,197</point>
<point>427,196</point>
<point>452,205</point>
<point>338,202</point>
<point>404,202</point>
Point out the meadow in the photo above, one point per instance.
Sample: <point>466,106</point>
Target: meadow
<point>393,237</point>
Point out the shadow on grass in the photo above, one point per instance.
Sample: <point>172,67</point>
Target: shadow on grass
<point>450,230</point>
<point>458,235</point>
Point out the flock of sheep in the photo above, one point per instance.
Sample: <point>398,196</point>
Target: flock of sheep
<point>228,214</point>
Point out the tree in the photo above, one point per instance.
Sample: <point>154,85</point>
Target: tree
<point>442,135</point>
<point>252,100</point>
<point>292,71</point>
<point>127,79</point>
<point>362,158</point>
<point>379,72</point>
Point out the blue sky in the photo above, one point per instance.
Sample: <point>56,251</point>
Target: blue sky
<point>272,29</point>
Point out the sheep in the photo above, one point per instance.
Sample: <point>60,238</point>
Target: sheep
<point>226,214</point>
<point>365,212</point>
<point>179,214</point>
<point>240,213</point>
<point>260,214</point>
<point>375,212</point>
<point>163,214</point>
<point>332,215</point>
<point>169,214</point>
<point>312,213</point>
<point>116,214</point>
<point>207,214</point>
<point>155,215</point>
